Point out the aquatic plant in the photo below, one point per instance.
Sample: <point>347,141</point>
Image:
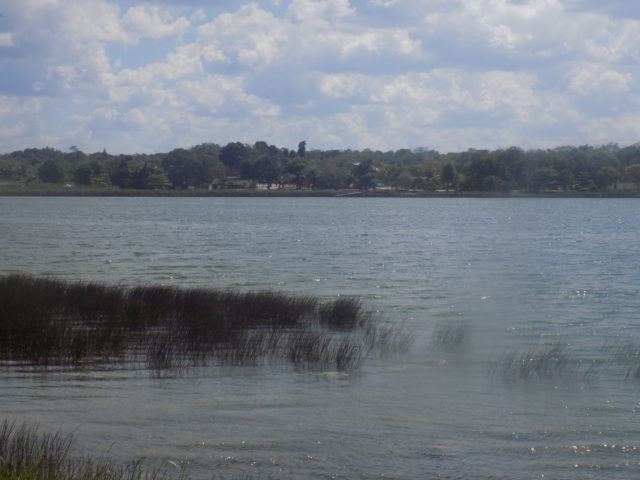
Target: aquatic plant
<point>343,313</point>
<point>47,321</point>
<point>22,449</point>
<point>27,454</point>
<point>450,335</point>
<point>627,354</point>
<point>549,362</point>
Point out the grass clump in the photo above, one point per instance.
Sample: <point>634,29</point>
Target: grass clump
<point>26,454</point>
<point>549,362</point>
<point>45,321</point>
<point>627,354</point>
<point>343,314</point>
<point>450,335</point>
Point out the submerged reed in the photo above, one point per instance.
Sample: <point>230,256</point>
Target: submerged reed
<point>450,335</point>
<point>550,362</point>
<point>46,321</point>
<point>627,354</point>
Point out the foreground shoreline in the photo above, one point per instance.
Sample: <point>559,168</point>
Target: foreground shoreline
<point>111,192</point>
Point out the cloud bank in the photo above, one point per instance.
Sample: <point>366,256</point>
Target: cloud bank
<point>382,74</point>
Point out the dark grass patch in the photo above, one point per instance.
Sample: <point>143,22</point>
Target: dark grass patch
<point>27,454</point>
<point>22,449</point>
<point>45,321</point>
<point>343,313</point>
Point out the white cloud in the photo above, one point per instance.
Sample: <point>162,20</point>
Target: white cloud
<point>154,22</point>
<point>91,20</point>
<point>6,39</point>
<point>198,16</point>
<point>309,37</point>
<point>252,36</point>
<point>385,3</point>
<point>20,121</point>
<point>319,11</point>
<point>341,73</point>
<point>503,36</point>
<point>336,86</point>
<point>588,79</point>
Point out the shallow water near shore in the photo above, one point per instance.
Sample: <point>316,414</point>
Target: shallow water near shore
<point>514,276</point>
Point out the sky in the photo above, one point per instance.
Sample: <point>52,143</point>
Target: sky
<point>144,77</point>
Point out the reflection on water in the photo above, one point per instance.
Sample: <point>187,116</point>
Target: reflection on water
<point>476,281</point>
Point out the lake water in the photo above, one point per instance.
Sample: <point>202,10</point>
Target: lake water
<point>514,275</point>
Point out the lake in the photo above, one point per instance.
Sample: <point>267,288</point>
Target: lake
<point>541,382</point>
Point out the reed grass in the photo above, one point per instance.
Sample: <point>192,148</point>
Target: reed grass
<point>549,362</point>
<point>344,314</point>
<point>450,335</point>
<point>627,354</point>
<point>27,454</point>
<point>46,321</point>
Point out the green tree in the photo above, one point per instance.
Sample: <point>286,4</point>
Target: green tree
<point>121,176</point>
<point>51,172</point>
<point>157,181</point>
<point>261,147</point>
<point>448,175</point>
<point>91,173</point>
<point>206,149</point>
<point>212,169</point>
<point>543,178</point>
<point>605,176</point>
<point>482,164</point>
<point>233,154</point>
<point>100,180</point>
<point>364,173</point>
<point>248,168</point>
<point>140,177</point>
<point>333,172</point>
<point>178,165</point>
<point>295,168</point>
<point>405,179</point>
<point>185,168</point>
<point>268,170</point>
<point>565,179</point>
<point>632,173</point>
<point>82,174</point>
<point>302,148</point>
<point>493,183</point>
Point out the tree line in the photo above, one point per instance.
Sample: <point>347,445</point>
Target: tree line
<point>240,165</point>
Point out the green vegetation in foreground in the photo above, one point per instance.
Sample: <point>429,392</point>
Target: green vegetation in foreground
<point>26,454</point>
<point>239,169</point>
<point>45,321</point>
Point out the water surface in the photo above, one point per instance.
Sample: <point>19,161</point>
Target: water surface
<point>521,274</point>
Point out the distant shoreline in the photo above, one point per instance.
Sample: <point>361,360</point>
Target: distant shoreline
<point>110,192</point>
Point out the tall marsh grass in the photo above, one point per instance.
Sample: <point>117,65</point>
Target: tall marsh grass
<point>450,335</point>
<point>627,354</point>
<point>46,321</point>
<point>27,454</point>
<point>546,363</point>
